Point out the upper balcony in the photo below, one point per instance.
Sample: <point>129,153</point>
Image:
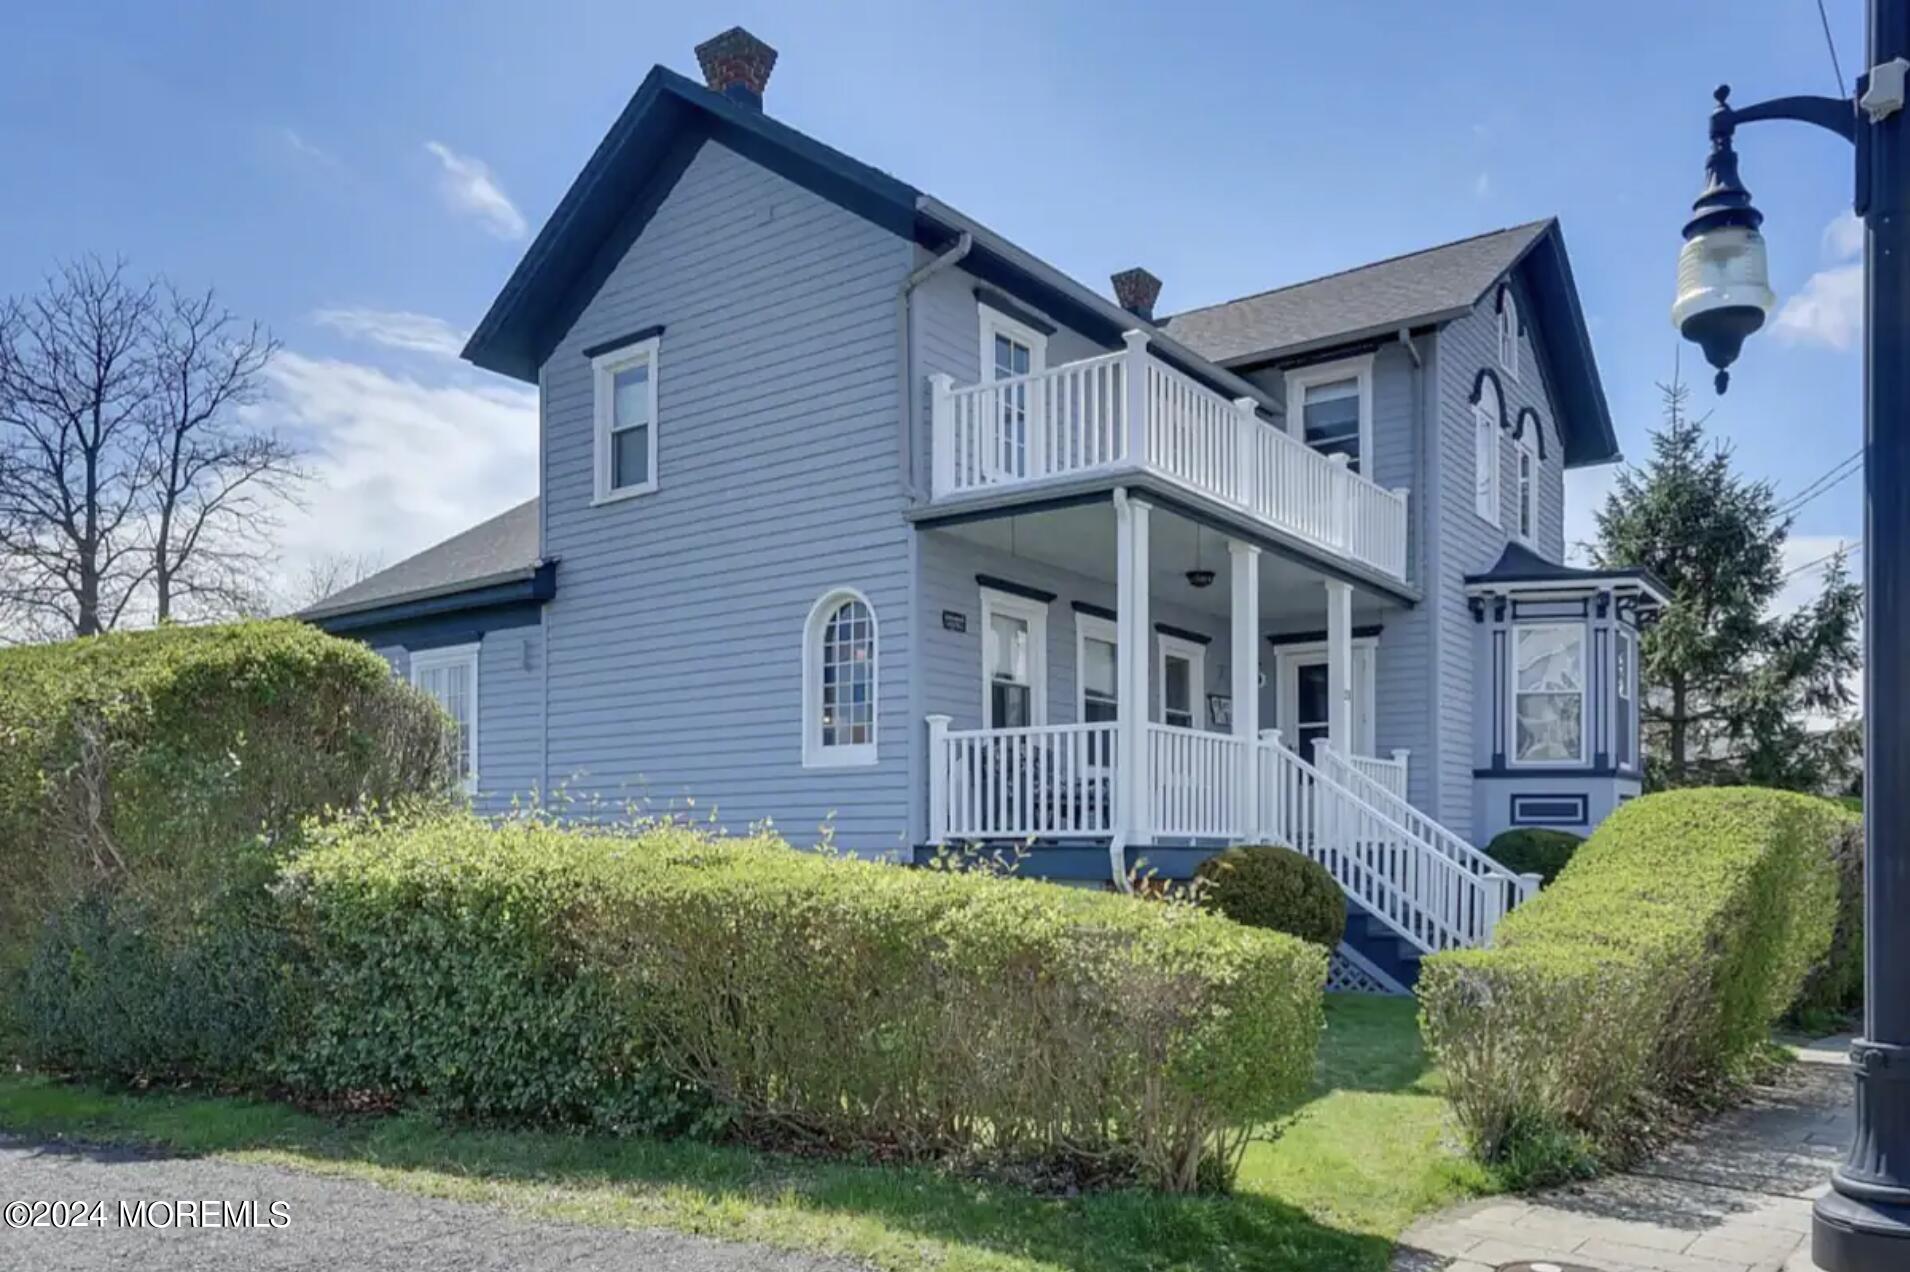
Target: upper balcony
<point>1129,412</point>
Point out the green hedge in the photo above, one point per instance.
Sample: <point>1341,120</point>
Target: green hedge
<point>1835,986</point>
<point>1655,965</point>
<point>149,784</point>
<point>1268,886</point>
<point>529,971</point>
<point>1534,850</point>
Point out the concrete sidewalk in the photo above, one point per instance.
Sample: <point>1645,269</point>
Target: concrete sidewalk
<point>1736,1197</point>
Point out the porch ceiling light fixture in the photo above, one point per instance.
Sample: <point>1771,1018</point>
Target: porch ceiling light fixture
<point>1199,577</point>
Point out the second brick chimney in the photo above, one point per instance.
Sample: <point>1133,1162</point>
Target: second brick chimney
<point>1136,290</point>
<point>737,65</point>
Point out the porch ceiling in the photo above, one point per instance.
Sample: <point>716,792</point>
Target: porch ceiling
<point>1080,539</point>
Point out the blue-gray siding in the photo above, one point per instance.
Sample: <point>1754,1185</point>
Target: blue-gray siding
<point>675,639</point>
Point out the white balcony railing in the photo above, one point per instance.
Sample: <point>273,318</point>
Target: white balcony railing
<point>1130,411</point>
<point>1050,781</point>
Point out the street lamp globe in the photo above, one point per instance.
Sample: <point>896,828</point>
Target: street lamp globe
<point>1724,278</point>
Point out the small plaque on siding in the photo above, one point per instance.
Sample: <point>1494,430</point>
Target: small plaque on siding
<point>954,620</point>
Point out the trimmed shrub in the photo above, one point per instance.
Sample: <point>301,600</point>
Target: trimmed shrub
<point>149,784</point>
<point>1835,986</point>
<point>1534,850</point>
<point>1273,887</point>
<point>531,971</point>
<point>1651,969</point>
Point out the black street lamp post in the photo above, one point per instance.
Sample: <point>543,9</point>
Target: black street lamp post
<point>1863,1223</point>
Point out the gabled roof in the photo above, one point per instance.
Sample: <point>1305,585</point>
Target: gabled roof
<point>1423,289</point>
<point>492,554</point>
<point>648,148</point>
<point>1432,285</point>
<point>1518,564</point>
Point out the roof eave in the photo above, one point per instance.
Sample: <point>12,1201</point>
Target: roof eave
<point>536,582</point>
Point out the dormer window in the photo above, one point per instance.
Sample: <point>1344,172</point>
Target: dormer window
<point>1332,404</point>
<point>1508,333</point>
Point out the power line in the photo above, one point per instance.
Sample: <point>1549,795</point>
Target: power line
<point>1847,550</point>
<point>1838,472</point>
<point>1832,46</point>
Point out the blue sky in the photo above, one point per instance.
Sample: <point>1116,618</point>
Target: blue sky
<point>362,177</point>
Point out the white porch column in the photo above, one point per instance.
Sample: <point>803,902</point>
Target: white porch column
<point>1244,572</point>
<point>1131,665</point>
<point>1134,404</point>
<point>1339,666</point>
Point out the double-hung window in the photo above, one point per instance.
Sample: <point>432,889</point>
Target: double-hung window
<point>1014,661</point>
<point>1011,350</point>
<point>1548,693</point>
<point>450,677</point>
<point>1097,655</point>
<point>1182,676</point>
<point>1334,406</point>
<point>1525,517</point>
<point>1508,334</point>
<point>1625,721</point>
<point>626,411</point>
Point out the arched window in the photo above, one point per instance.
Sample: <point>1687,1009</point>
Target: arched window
<point>1508,333</point>
<point>839,681</point>
<point>1488,421</point>
<point>1530,435</point>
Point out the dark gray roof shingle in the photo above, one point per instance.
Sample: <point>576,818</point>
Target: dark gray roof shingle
<point>497,549</point>
<point>1382,297</point>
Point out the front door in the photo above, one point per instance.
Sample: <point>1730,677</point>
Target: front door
<point>1303,698</point>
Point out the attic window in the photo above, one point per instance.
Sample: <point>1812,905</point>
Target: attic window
<point>1508,333</point>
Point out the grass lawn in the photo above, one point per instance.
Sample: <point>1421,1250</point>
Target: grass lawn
<point>1367,1154</point>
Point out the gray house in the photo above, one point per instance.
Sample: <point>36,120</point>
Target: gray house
<point>856,518</point>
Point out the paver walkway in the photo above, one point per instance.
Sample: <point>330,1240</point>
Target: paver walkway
<point>1736,1197</point>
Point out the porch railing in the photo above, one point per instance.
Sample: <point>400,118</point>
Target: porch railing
<point>1356,774</point>
<point>1387,774</point>
<point>1131,411</point>
<point>1194,783</point>
<point>1054,780</point>
<point>1431,899</point>
<point>1063,781</point>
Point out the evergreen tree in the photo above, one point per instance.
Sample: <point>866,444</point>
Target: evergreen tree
<point>1731,692</point>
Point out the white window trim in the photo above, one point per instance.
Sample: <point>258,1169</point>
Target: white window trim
<point>994,321</point>
<point>453,656</point>
<point>1512,759</point>
<point>1303,378</point>
<point>1195,653</point>
<point>1525,490</point>
<point>1091,627</point>
<point>814,753</point>
<point>1488,501</point>
<point>1508,333</point>
<point>1287,663</point>
<point>1035,614</point>
<point>604,368</point>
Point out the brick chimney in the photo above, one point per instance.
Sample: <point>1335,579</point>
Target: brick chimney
<point>737,65</point>
<point>1137,290</point>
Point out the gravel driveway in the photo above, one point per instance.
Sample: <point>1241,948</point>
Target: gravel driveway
<point>338,1225</point>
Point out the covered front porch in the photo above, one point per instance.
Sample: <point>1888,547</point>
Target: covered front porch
<point>1254,672</point>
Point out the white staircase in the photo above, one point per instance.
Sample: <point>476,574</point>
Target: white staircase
<point>1422,882</point>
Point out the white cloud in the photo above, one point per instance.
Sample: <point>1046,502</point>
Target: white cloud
<point>396,329</point>
<point>1482,185</point>
<point>1844,237</point>
<point>469,187</point>
<point>1828,309</point>
<point>398,464</point>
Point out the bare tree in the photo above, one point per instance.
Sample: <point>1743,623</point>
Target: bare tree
<point>215,483</point>
<point>130,484</point>
<point>330,573</point>
<point>74,441</point>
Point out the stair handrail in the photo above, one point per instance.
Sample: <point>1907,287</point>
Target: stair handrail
<point>1522,886</point>
<point>1458,937</point>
